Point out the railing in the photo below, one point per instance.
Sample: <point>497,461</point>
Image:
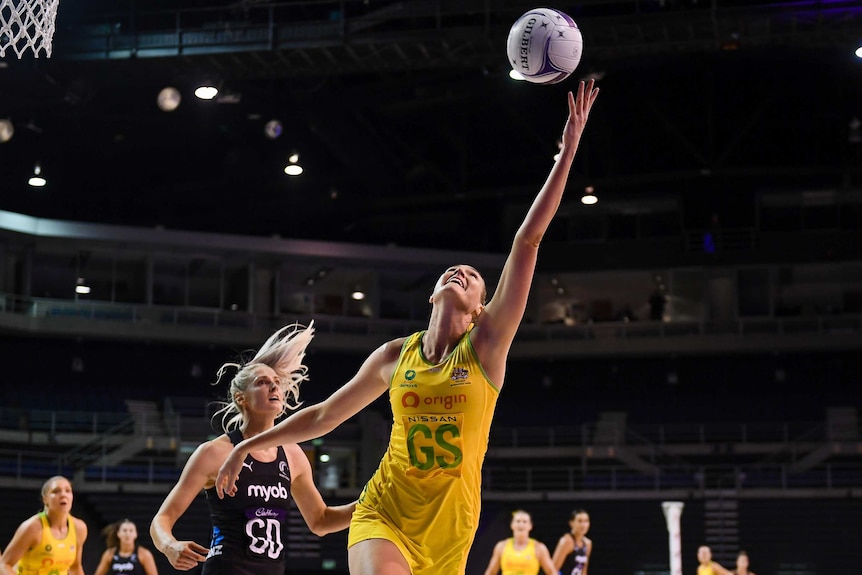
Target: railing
<point>155,315</point>
<point>100,445</point>
<point>53,422</point>
<point>160,315</point>
<point>844,324</point>
<point>496,478</point>
<point>527,459</point>
<point>150,470</point>
<point>562,478</point>
<point>662,434</point>
<point>20,464</point>
<point>34,464</point>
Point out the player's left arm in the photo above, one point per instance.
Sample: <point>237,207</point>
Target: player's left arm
<point>81,532</point>
<point>544,557</point>
<point>497,324</point>
<point>148,562</point>
<point>494,564</point>
<point>562,550</point>
<point>320,518</point>
<point>589,544</point>
<point>104,562</point>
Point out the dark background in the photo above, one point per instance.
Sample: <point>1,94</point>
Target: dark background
<point>408,125</point>
<point>412,134</point>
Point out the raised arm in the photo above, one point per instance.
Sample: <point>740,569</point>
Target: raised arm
<point>320,518</point>
<point>314,421</point>
<point>501,317</point>
<point>196,475</point>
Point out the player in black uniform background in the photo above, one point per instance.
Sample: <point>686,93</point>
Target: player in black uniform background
<point>249,530</point>
<point>575,543</point>
<point>123,555</point>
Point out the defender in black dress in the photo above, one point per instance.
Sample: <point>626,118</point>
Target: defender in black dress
<point>248,531</point>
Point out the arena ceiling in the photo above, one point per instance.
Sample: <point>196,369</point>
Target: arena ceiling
<point>407,125</point>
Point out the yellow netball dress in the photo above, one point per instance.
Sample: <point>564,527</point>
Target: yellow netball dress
<point>425,496</point>
<point>519,561</point>
<point>51,556</point>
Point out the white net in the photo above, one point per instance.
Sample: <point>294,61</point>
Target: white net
<point>27,25</point>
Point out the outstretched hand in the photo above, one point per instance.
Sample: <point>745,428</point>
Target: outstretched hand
<point>228,473</point>
<point>579,111</point>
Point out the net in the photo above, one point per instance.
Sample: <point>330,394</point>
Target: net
<point>27,25</point>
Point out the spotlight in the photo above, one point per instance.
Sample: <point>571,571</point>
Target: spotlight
<point>589,198</point>
<point>206,91</point>
<point>36,180</point>
<point>293,168</point>
<point>169,99</point>
<point>7,130</point>
<point>854,135</point>
<point>81,287</point>
<point>273,129</point>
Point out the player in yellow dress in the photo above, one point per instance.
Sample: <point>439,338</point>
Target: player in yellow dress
<point>419,512</point>
<point>520,554</point>
<point>706,566</point>
<point>50,542</point>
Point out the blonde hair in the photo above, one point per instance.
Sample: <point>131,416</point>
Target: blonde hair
<point>283,352</point>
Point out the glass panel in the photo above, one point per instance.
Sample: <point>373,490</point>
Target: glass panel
<point>236,288</point>
<point>130,278</point>
<point>753,292</point>
<point>205,283</point>
<point>169,282</point>
<point>689,293</point>
<point>95,271</point>
<point>54,276</point>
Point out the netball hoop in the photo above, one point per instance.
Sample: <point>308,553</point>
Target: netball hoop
<point>27,25</point>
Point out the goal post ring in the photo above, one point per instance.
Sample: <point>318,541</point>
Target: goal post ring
<point>27,25</point>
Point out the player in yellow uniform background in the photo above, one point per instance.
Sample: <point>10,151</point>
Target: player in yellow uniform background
<point>520,554</point>
<point>706,566</point>
<point>50,542</point>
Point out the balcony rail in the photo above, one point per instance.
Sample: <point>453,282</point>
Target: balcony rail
<point>754,326</point>
<point>106,313</point>
<point>34,464</point>
<point>562,478</point>
<point>18,464</point>
<point>52,421</point>
<point>660,434</point>
<point>520,459</point>
<point>186,316</point>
